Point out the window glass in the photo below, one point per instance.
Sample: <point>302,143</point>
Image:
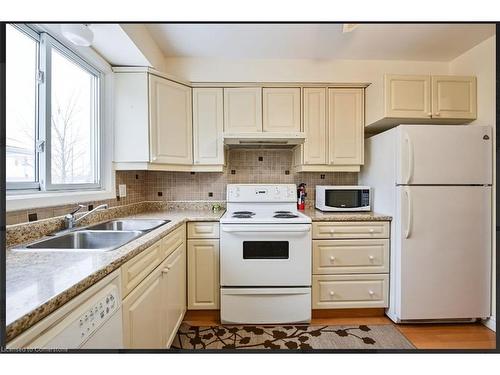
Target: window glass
<point>73,124</point>
<point>21,108</point>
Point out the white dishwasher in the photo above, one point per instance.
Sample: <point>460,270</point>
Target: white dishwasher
<point>92,320</point>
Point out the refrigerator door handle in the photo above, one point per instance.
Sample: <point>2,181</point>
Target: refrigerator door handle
<point>410,158</point>
<point>409,213</point>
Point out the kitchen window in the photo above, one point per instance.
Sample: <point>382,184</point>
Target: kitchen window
<point>53,130</point>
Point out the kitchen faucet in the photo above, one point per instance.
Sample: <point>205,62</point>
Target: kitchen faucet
<point>70,220</point>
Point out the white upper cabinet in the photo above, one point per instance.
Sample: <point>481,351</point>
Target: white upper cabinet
<point>242,110</point>
<point>171,122</point>
<point>420,99</point>
<point>334,129</point>
<point>454,97</point>
<point>346,126</point>
<point>131,118</point>
<point>208,126</point>
<point>314,107</point>
<point>281,109</point>
<point>407,96</point>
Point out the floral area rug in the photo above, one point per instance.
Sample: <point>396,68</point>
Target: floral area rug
<point>294,337</point>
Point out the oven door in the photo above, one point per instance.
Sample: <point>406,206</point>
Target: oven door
<point>265,255</point>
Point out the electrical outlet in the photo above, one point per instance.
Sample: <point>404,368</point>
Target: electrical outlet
<point>122,191</point>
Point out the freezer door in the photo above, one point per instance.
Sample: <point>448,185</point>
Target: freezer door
<point>446,154</point>
<point>445,252</point>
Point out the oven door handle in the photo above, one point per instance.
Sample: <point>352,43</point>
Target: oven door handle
<point>255,228</point>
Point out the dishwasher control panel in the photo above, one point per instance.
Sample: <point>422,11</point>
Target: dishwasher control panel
<point>97,314</point>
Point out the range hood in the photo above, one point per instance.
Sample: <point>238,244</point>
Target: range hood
<point>264,139</point>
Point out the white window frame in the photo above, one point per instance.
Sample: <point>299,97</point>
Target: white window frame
<point>47,44</point>
<point>32,185</point>
<point>30,199</point>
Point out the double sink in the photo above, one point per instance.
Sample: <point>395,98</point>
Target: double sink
<point>105,236</point>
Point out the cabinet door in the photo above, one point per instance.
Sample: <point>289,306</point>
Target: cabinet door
<point>281,109</point>
<point>208,126</point>
<point>345,125</point>
<point>407,96</point>
<point>454,97</point>
<point>174,293</point>
<point>203,274</point>
<point>242,110</point>
<point>142,314</point>
<point>315,146</point>
<point>170,122</point>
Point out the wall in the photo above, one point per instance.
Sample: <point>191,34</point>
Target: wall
<point>481,62</point>
<point>296,70</point>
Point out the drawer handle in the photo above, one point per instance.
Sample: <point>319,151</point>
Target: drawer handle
<point>371,257</point>
<point>332,230</point>
<point>371,292</point>
<point>371,230</point>
<point>166,269</point>
<point>332,259</point>
<point>332,293</point>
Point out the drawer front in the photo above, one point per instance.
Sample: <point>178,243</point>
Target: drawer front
<point>351,229</point>
<point>350,256</point>
<point>350,291</point>
<point>203,229</point>
<point>137,268</point>
<point>172,241</point>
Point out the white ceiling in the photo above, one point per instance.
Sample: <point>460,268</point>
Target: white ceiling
<point>425,42</point>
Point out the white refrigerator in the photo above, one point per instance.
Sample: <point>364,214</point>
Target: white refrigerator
<point>435,181</point>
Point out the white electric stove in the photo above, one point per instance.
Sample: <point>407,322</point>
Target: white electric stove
<point>265,260</point>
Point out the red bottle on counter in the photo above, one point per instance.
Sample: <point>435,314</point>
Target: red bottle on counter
<point>301,197</point>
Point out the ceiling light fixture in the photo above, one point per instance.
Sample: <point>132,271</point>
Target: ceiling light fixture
<point>78,34</point>
<point>348,27</point>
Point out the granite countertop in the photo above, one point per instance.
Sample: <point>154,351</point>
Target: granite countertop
<point>317,215</point>
<point>38,282</point>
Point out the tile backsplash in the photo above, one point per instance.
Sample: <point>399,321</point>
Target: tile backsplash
<point>244,166</point>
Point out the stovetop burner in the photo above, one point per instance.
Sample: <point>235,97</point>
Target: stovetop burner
<point>285,216</point>
<point>242,216</point>
<point>283,212</point>
<point>244,213</point>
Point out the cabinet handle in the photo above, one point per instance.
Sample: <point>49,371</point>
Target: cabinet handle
<point>332,230</point>
<point>166,269</point>
<point>332,258</point>
<point>332,293</point>
<point>429,114</point>
<point>371,257</point>
<point>371,230</point>
<point>371,292</point>
<point>437,114</point>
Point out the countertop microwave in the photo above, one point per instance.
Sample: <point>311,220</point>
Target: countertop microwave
<point>343,198</point>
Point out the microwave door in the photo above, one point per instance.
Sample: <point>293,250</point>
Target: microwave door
<point>347,200</point>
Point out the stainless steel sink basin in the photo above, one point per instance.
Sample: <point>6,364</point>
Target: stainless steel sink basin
<point>85,240</point>
<point>142,225</point>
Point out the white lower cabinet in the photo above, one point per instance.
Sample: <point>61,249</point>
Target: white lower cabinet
<point>203,265</point>
<point>154,309</point>
<point>173,285</point>
<point>351,269</point>
<point>350,291</point>
<point>203,275</point>
<point>142,313</point>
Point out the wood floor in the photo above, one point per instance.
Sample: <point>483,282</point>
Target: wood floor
<point>423,336</point>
